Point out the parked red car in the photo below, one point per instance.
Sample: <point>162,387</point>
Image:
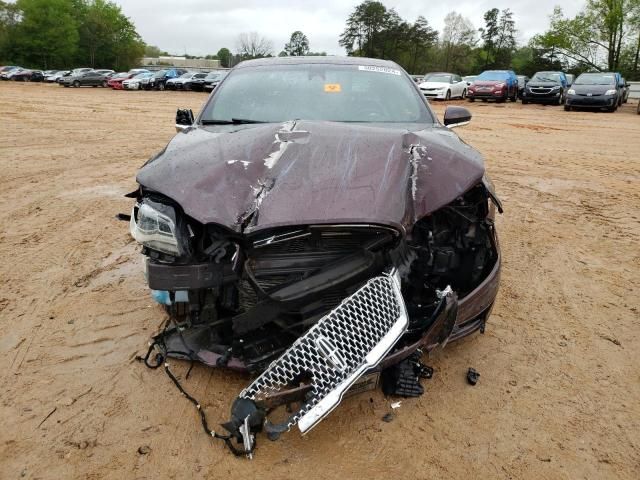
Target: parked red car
<point>498,85</point>
<point>116,80</point>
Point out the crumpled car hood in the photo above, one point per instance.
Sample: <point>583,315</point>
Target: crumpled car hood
<point>252,177</point>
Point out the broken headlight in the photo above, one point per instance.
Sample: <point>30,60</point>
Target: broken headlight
<point>154,226</point>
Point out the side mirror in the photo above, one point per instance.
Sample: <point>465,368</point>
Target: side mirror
<point>184,119</point>
<point>456,117</point>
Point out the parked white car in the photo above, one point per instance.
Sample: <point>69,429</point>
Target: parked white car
<point>443,86</point>
<point>55,76</point>
<point>134,83</point>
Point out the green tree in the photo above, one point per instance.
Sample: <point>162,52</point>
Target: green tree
<point>604,35</point>
<point>9,17</point>
<point>298,44</point>
<point>458,39</point>
<point>489,35</point>
<point>152,51</point>
<point>499,38</point>
<point>224,55</point>
<point>46,34</point>
<point>364,29</point>
<point>372,30</point>
<point>420,39</point>
<point>107,36</point>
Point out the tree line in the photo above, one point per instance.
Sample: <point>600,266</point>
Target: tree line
<point>604,35</point>
<point>51,34</point>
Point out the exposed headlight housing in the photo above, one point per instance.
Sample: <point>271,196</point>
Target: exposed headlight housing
<point>154,225</point>
<point>610,92</point>
<point>571,91</point>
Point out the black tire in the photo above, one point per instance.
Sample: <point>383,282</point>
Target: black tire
<point>104,84</point>
<point>612,109</point>
<point>525,101</point>
<point>76,84</point>
<point>464,94</point>
<point>567,108</point>
<point>447,96</point>
<point>161,86</point>
<point>472,99</point>
<point>94,86</point>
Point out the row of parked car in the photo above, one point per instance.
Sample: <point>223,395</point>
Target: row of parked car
<point>135,79</point>
<point>606,90</point>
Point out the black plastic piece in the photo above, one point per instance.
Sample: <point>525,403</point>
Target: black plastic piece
<point>403,379</point>
<point>241,409</point>
<point>188,277</point>
<point>472,376</point>
<point>123,217</point>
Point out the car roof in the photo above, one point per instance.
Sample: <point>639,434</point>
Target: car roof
<point>331,60</point>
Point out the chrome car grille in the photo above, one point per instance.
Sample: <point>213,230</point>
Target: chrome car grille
<point>337,350</point>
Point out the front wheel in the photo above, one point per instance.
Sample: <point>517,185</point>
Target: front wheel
<point>104,84</point>
<point>76,84</point>
<point>472,99</point>
<point>525,101</point>
<point>161,86</point>
<point>447,97</point>
<point>567,108</point>
<point>464,94</point>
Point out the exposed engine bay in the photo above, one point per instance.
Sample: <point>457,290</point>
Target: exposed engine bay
<point>317,311</point>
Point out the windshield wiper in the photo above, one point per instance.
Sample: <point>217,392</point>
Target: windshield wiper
<point>233,121</point>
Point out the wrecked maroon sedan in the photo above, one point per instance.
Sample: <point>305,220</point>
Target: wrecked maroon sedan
<point>318,227</point>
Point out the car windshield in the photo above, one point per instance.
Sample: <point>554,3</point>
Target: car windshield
<point>186,75</point>
<point>492,76</point>
<point>437,77</point>
<point>143,75</point>
<point>212,76</point>
<point>595,79</point>
<point>340,93</point>
<point>121,75</point>
<point>160,74</point>
<point>547,77</point>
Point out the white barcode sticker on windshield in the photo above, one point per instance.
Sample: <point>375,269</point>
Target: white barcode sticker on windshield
<point>369,68</point>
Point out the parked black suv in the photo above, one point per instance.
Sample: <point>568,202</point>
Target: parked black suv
<point>546,87</point>
<point>159,79</point>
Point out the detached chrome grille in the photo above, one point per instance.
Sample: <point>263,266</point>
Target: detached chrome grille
<point>336,351</point>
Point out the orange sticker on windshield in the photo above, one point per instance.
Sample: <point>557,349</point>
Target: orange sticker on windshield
<point>332,88</point>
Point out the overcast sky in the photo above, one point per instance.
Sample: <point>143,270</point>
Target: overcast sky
<point>204,26</point>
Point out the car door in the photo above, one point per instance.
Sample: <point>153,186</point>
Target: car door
<point>89,78</point>
<point>458,86</point>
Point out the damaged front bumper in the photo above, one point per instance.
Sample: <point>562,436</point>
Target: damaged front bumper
<point>318,311</point>
<point>351,339</point>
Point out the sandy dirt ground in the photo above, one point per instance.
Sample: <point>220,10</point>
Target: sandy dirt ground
<point>559,392</point>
